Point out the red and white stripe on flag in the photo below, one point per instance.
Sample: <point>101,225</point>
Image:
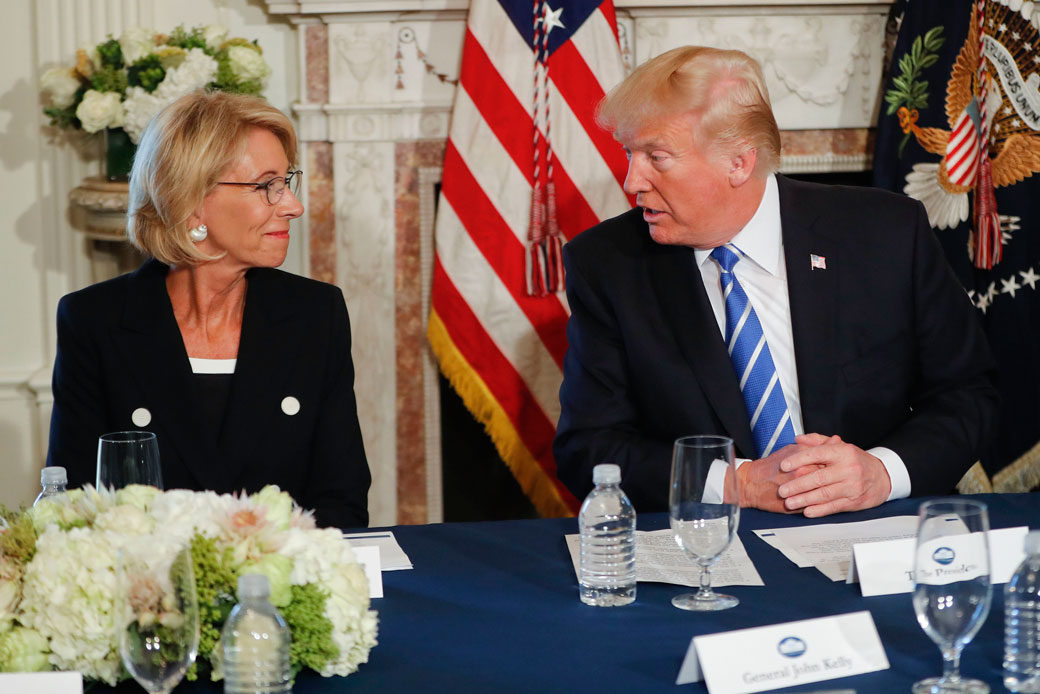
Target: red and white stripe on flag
<point>963,148</point>
<point>501,349</point>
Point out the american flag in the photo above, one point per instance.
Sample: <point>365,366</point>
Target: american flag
<point>532,74</point>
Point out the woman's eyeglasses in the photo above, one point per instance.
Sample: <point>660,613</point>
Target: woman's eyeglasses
<point>274,188</point>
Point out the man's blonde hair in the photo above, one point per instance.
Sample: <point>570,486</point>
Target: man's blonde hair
<point>723,89</point>
<point>183,152</point>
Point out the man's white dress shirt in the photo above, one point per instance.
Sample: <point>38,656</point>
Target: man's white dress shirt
<point>763,275</point>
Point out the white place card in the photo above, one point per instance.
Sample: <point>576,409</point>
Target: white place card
<point>392,557</point>
<point>788,654</point>
<point>368,557</point>
<point>885,568</point>
<point>42,682</point>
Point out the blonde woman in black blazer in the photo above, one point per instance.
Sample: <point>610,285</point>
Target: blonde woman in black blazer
<point>242,371</point>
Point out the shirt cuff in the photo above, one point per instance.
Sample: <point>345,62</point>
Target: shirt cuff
<point>897,473</point>
<point>716,479</point>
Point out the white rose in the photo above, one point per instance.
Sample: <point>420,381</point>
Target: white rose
<point>100,110</point>
<point>215,36</point>
<point>61,84</point>
<point>136,44</point>
<point>139,495</point>
<point>125,519</point>
<point>247,64</point>
<point>279,505</point>
<point>197,70</point>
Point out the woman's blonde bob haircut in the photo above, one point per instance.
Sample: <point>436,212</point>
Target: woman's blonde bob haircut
<point>723,90</point>
<point>183,152</point>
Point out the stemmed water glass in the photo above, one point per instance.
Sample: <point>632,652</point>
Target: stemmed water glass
<point>158,619</point>
<point>951,586</point>
<point>128,457</point>
<point>704,513</point>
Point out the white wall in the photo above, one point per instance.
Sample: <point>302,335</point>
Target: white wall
<point>42,257</point>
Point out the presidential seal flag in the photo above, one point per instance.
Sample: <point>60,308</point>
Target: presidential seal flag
<point>960,131</point>
<point>525,168</point>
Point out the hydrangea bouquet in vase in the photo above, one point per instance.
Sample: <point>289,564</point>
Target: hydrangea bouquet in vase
<point>117,86</point>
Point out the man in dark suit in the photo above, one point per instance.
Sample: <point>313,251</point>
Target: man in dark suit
<point>874,380</point>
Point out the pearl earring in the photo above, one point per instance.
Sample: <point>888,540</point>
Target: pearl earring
<point>199,233</point>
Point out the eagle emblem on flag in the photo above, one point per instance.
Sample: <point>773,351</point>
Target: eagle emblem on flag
<point>993,112</point>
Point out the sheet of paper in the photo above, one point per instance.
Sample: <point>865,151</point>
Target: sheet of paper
<point>660,560</point>
<point>782,655</point>
<point>391,556</point>
<point>368,557</point>
<point>42,682</point>
<point>830,545</point>
<point>885,568</point>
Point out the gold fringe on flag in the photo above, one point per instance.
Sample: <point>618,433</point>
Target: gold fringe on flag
<point>1023,475</point>
<point>478,399</point>
<point>975,481</point>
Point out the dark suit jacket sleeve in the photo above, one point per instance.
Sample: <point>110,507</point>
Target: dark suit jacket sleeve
<point>339,480</point>
<point>599,423</point>
<point>78,411</point>
<point>952,397</point>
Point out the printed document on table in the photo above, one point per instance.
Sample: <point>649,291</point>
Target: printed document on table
<point>391,556</point>
<point>828,547</point>
<point>660,560</point>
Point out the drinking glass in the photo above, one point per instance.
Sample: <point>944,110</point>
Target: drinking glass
<point>703,523</point>
<point>158,619</point>
<point>128,457</point>
<point>951,585</point>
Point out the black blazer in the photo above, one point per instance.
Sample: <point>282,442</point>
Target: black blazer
<point>887,346</point>
<point>119,349</point>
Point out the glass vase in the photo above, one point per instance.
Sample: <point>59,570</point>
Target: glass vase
<point>119,154</point>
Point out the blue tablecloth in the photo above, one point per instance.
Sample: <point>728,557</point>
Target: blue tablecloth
<point>493,607</point>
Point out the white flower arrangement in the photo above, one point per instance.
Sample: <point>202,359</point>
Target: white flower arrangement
<point>124,82</point>
<point>58,584</point>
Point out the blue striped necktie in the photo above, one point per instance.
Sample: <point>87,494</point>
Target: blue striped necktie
<point>763,396</point>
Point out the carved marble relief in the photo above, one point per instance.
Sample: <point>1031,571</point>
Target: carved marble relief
<point>364,184</point>
<point>360,67</point>
<point>822,70</point>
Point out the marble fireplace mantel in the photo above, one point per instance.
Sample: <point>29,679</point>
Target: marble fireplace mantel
<point>377,83</point>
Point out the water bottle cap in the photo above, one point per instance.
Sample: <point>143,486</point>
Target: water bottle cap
<point>1033,542</point>
<point>53,475</point>
<point>253,586</point>
<point>606,473</point>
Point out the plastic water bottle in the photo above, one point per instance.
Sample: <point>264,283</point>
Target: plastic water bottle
<point>1022,622</point>
<point>54,481</point>
<point>607,521</point>
<point>255,642</point>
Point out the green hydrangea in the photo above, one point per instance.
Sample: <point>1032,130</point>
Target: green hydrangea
<point>215,587</point>
<point>188,38</point>
<point>312,645</point>
<point>109,79</point>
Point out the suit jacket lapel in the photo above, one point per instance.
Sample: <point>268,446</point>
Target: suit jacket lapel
<point>266,346</point>
<point>680,292</point>
<point>813,294</point>
<point>153,350</point>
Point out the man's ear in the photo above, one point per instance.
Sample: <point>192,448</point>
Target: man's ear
<point>742,166</point>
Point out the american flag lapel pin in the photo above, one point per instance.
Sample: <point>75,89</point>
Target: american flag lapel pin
<point>817,262</point>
